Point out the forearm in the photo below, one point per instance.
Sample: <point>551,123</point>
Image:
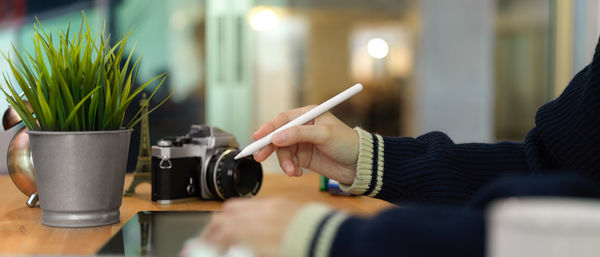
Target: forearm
<point>430,167</point>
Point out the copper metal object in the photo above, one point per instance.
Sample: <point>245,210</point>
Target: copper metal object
<point>11,117</point>
<point>18,158</point>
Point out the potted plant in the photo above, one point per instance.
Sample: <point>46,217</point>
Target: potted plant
<point>78,87</point>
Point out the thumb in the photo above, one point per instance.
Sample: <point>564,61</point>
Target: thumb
<point>314,134</point>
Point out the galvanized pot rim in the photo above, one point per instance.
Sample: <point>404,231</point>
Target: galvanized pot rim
<point>93,132</point>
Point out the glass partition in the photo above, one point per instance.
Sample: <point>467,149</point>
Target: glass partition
<point>475,69</point>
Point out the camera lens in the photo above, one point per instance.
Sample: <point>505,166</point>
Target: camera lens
<point>228,178</point>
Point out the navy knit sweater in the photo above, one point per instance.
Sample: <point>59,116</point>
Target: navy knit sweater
<point>560,157</point>
<point>566,138</point>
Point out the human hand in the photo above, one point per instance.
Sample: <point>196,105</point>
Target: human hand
<point>325,145</point>
<point>259,225</point>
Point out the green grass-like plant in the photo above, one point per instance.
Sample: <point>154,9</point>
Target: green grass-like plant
<point>75,82</point>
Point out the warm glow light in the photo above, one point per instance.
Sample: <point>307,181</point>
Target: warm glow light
<point>263,20</point>
<point>378,48</point>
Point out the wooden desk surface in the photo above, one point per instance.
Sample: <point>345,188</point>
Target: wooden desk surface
<point>21,231</point>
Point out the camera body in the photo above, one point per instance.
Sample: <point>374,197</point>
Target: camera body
<point>201,164</point>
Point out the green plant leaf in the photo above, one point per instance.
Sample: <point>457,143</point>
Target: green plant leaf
<point>74,111</point>
<point>132,124</point>
<point>20,106</point>
<point>75,79</point>
<point>45,110</point>
<point>164,77</point>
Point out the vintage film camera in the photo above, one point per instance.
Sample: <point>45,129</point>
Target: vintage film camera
<point>201,164</point>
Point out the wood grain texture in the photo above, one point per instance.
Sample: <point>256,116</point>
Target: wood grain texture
<point>22,233</point>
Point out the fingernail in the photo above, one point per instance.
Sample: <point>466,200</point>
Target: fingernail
<point>279,137</point>
<point>289,168</point>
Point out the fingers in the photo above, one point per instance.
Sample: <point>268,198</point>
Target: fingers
<point>272,125</point>
<point>279,121</point>
<point>264,153</point>
<point>235,204</point>
<point>314,134</point>
<point>288,161</point>
<point>218,233</point>
<point>258,224</point>
<point>305,155</point>
<point>287,145</point>
<point>211,228</point>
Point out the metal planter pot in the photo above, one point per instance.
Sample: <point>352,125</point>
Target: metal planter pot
<point>80,175</point>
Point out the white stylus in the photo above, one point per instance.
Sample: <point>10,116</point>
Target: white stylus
<point>304,118</point>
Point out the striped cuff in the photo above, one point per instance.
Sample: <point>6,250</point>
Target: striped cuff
<point>312,231</point>
<point>369,168</point>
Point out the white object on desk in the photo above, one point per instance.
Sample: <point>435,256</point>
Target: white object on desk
<point>304,118</point>
<point>549,227</point>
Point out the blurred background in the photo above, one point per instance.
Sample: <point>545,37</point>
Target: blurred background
<point>475,69</point>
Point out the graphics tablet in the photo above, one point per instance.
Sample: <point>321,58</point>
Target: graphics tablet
<point>156,233</point>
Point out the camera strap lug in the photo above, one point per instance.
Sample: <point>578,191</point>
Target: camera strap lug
<point>165,163</point>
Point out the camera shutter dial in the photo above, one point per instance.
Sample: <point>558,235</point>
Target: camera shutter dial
<point>164,143</point>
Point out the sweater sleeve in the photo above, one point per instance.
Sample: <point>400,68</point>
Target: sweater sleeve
<point>319,231</point>
<point>311,231</point>
<point>430,168</point>
<point>423,231</point>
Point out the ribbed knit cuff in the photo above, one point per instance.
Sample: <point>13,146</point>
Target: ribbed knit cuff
<point>369,168</point>
<point>312,231</point>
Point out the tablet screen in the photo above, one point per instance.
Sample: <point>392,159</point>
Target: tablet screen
<point>156,233</point>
